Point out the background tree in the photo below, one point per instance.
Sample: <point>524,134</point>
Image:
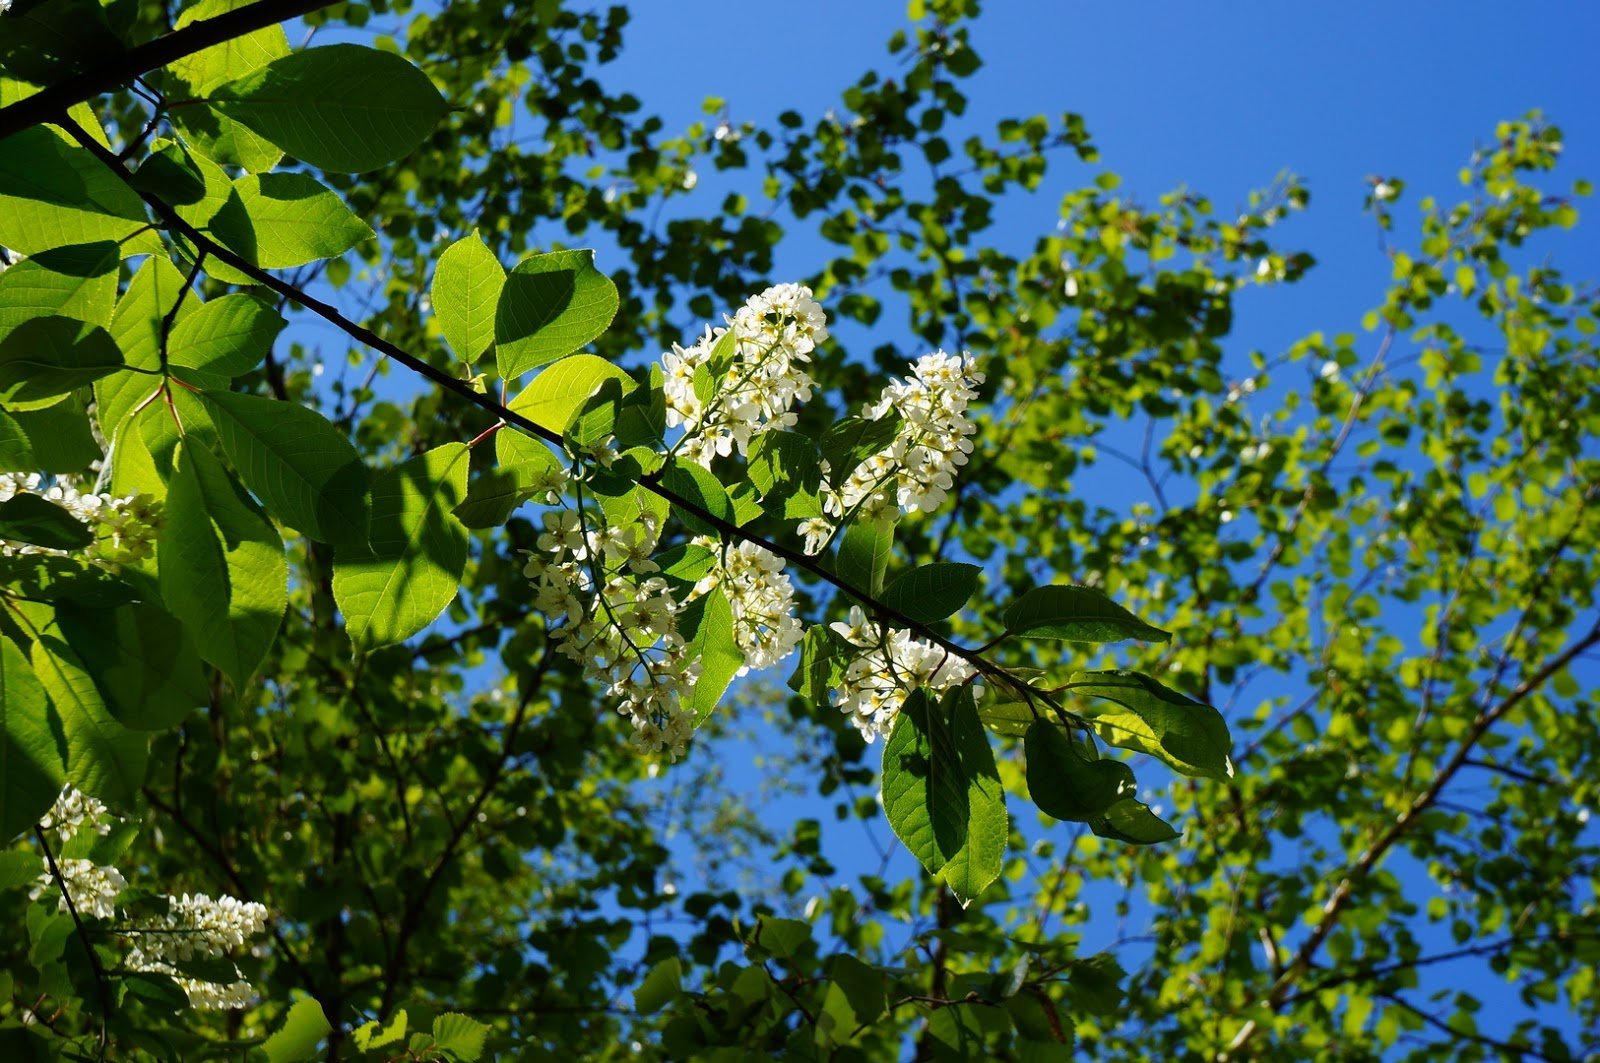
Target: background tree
<point>1373,550</point>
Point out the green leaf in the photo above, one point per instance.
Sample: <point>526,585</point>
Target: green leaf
<point>977,862</point>
<point>31,518</point>
<point>466,292</point>
<point>685,564</point>
<point>54,194</point>
<point>707,624</point>
<point>786,468</point>
<point>932,592</point>
<point>418,550</point>
<point>561,394</point>
<point>783,938</point>
<point>1076,614</point>
<point>343,107</point>
<point>941,791</point>
<point>195,75</point>
<point>104,758</point>
<point>521,462</point>
<point>59,436</point>
<point>854,1001</point>
<point>50,356</point>
<point>824,656</point>
<point>1066,783</point>
<point>304,470</point>
<point>295,219</point>
<point>1190,736</point>
<point>78,281</point>
<point>303,1029</point>
<point>851,441</point>
<point>141,659</point>
<point>157,992</point>
<point>226,337</point>
<point>695,484</point>
<point>16,449</point>
<point>18,867</point>
<point>370,1035</point>
<point>864,550</point>
<point>1132,821</point>
<point>32,766</point>
<point>660,987</point>
<point>49,578</point>
<point>459,1035</point>
<point>1095,984</point>
<point>550,306</point>
<point>136,327</point>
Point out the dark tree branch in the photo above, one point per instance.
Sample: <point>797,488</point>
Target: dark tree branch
<point>462,390</point>
<point>45,106</point>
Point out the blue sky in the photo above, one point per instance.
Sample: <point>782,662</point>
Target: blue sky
<point>1221,98</point>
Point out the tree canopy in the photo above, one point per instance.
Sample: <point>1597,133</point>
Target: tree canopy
<point>416,504</point>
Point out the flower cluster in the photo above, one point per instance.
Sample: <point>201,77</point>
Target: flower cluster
<point>917,468</point>
<point>93,888</point>
<point>195,926</point>
<point>773,335</point>
<point>619,620</point>
<point>199,927</point>
<point>892,663</point>
<point>75,810</point>
<point>762,600</point>
<point>126,528</point>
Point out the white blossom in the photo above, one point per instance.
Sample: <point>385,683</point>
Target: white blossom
<point>892,663</point>
<point>916,470</point>
<point>773,335</point>
<point>75,810</point>
<point>126,528</point>
<point>199,927</point>
<point>761,598</point>
<point>93,888</point>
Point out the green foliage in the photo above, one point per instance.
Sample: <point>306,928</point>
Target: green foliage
<point>382,728</point>
<point>549,306</point>
<point>343,107</point>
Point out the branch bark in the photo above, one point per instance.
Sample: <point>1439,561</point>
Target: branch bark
<point>43,106</point>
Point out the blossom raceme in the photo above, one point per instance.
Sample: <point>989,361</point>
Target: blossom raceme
<point>203,928</point>
<point>772,337</point>
<point>73,811</point>
<point>761,597</point>
<point>93,888</point>
<point>125,528</point>
<point>916,470</point>
<point>890,664</point>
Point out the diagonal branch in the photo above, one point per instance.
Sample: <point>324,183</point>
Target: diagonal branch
<point>105,77</point>
<point>462,390</point>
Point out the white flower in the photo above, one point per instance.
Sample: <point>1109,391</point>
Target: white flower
<point>199,927</point>
<point>771,336</point>
<point>816,532</point>
<point>93,889</point>
<point>74,810</point>
<point>917,469</point>
<point>893,663</point>
<point>762,600</point>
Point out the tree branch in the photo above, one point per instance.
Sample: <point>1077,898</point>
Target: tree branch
<point>104,77</point>
<point>462,390</point>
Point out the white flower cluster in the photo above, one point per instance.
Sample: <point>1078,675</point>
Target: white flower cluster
<point>93,888</point>
<point>197,926</point>
<point>762,600</point>
<point>126,527</point>
<point>916,470</point>
<point>891,665</point>
<point>75,810</point>
<point>619,621</point>
<point>774,333</point>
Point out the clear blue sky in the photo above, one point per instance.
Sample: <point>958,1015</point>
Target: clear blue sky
<point>1220,97</point>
